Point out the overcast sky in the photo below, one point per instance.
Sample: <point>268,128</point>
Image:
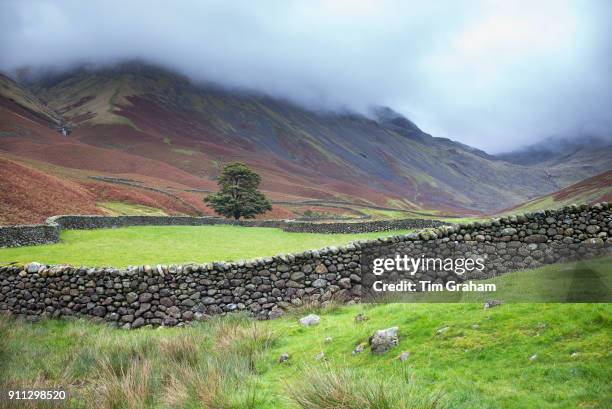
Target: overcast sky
<point>492,74</point>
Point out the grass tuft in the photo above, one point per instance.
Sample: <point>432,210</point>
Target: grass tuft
<point>330,388</point>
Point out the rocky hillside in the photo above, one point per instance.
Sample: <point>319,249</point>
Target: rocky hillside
<point>148,132</point>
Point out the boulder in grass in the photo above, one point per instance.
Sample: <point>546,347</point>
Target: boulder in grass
<point>383,340</point>
<point>492,304</point>
<point>309,320</point>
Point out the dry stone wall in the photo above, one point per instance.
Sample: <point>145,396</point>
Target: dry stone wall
<point>30,235</point>
<point>360,227</point>
<point>266,287</point>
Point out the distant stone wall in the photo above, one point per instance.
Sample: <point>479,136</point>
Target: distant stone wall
<point>360,227</point>
<point>29,235</point>
<point>266,287</point>
<point>106,222</point>
<point>16,236</point>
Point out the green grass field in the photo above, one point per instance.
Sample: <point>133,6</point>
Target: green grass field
<point>174,245</point>
<point>461,356</point>
<point>124,209</point>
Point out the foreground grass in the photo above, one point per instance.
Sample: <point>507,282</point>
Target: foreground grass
<point>174,245</point>
<point>482,360</point>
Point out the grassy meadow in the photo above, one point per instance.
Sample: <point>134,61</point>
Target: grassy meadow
<point>460,356</point>
<point>174,245</point>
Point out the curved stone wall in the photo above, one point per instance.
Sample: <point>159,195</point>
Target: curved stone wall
<point>169,295</point>
<point>16,236</point>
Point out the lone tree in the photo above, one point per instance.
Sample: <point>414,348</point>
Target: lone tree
<point>238,195</point>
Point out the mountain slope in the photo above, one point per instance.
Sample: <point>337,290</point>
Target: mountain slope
<point>591,190</point>
<point>158,128</point>
<point>566,160</point>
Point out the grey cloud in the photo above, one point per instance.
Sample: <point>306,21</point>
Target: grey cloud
<point>492,74</point>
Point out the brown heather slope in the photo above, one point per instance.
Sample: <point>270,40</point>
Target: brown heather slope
<point>29,196</point>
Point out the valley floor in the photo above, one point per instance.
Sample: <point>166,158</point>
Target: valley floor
<point>526,355</point>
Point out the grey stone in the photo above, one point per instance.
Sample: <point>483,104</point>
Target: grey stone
<point>383,340</point>
<point>297,276</point>
<point>492,304</point>
<point>404,356</point>
<point>309,320</point>
<point>320,269</point>
<point>145,297</point>
<point>593,229</point>
<point>345,282</point>
<point>138,322</point>
<point>33,267</point>
<point>99,311</point>
<point>359,349</point>
<point>509,231</point>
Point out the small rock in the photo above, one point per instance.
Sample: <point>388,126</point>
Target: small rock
<point>533,357</point>
<point>311,319</point>
<point>145,297</point>
<point>475,326</point>
<point>320,269</point>
<point>131,297</point>
<point>360,317</point>
<point>508,231</point>
<point>592,229</point>
<point>33,267</point>
<point>138,322</point>
<point>99,311</point>
<point>383,340</point>
<point>283,358</point>
<point>359,349</point>
<point>404,356</point>
<point>275,313</point>
<point>492,304</point>
<point>574,354</point>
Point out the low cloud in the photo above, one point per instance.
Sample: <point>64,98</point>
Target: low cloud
<point>491,74</point>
